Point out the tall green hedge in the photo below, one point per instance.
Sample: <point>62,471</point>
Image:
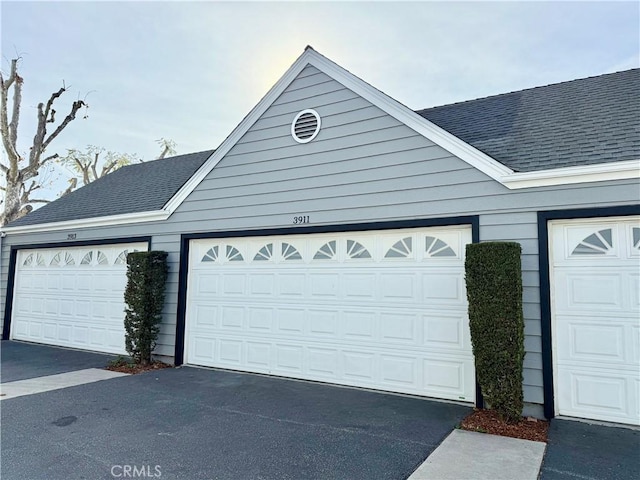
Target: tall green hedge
<point>493,274</point>
<point>144,298</point>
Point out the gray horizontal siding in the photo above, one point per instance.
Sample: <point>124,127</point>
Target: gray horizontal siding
<point>364,166</point>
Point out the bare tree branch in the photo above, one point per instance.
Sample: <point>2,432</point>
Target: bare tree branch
<point>32,187</point>
<point>168,147</point>
<point>77,105</point>
<point>6,128</point>
<point>108,167</point>
<point>94,163</point>
<point>73,183</point>
<point>17,201</point>
<point>49,158</point>
<point>17,100</point>
<point>93,166</point>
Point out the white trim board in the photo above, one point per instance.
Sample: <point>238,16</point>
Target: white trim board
<point>123,219</point>
<point>600,172</point>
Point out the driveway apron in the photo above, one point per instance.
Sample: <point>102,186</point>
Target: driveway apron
<point>195,423</point>
<point>577,450</point>
<point>20,361</point>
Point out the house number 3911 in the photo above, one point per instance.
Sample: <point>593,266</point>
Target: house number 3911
<point>301,219</point>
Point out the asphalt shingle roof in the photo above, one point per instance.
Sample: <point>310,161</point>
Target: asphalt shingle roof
<point>581,122</point>
<point>135,188</point>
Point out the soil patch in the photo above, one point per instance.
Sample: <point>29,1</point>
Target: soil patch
<point>488,421</point>
<point>126,366</point>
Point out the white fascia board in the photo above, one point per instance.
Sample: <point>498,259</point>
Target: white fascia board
<point>111,220</point>
<point>600,172</point>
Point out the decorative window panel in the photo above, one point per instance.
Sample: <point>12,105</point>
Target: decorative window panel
<point>400,249</point>
<point>289,252</point>
<point>356,250</point>
<point>121,259</point>
<point>68,259</point>
<point>28,261</point>
<point>326,251</point>
<point>434,247</point>
<point>233,254</point>
<point>86,260</point>
<point>265,253</point>
<point>598,243</point>
<point>102,259</point>
<point>211,255</point>
<point>635,233</point>
<point>55,261</point>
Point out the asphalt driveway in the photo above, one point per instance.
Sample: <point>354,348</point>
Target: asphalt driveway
<point>578,450</point>
<point>190,423</point>
<point>28,360</point>
<point>194,423</point>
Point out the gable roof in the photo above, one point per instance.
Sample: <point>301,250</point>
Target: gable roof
<point>582,122</point>
<point>141,187</point>
<point>460,123</point>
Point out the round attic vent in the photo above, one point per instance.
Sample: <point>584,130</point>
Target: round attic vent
<point>305,126</point>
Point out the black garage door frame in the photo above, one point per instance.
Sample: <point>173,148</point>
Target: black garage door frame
<point>185,239</point>
<point>545,284</point>
<point>13,256</point>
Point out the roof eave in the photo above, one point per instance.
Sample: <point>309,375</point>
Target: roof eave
<point>111,220</point>
<point>601,172</point>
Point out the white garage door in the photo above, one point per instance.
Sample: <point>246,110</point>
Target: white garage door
<point>72,297</point>
<point>384,309</point>
<point>595,273</point>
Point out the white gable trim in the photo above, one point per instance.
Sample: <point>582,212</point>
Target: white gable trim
<point>451,143</point>
<point>405,115</point>
<point>239,131</point>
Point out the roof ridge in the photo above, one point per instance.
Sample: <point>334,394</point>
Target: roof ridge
<point>173,157</point>
<point>565,82</point>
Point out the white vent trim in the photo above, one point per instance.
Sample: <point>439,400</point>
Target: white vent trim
<point>300,131</point>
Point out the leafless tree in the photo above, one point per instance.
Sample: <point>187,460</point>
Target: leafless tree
<point>93,163</point>
<point>168,147</point>
<point>20,172</point>
<point>96,162</point>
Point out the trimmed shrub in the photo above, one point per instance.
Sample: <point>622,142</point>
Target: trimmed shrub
<point>144,298</point>
<point>493,274</point>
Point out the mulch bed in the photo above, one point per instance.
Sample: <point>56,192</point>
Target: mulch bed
<point>488,421</point>
<point>132,368</point>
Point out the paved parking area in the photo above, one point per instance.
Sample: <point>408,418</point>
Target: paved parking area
<point>578,450</point>
<point>191,423</point>
<point>194,423</point>
<point>20,361</point>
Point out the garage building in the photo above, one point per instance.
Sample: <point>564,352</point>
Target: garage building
<point>324,240</point>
